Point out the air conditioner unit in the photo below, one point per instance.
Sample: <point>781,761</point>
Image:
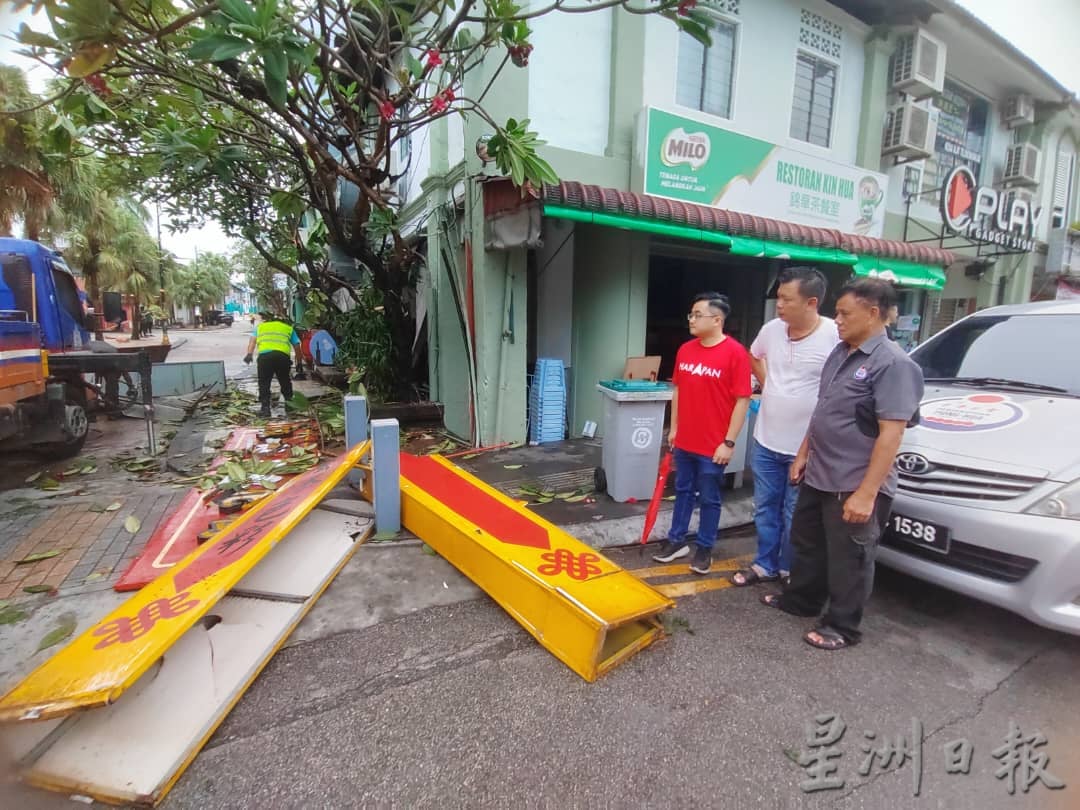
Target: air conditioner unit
<point>1018,110</point>
<point>919,64</point>
<point>909,132</point>
<point>1022,165</point>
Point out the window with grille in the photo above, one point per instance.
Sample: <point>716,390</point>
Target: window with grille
<point>706,75</point>
<point>812,101</point>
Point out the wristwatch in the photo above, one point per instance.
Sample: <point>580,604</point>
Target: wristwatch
<point>728,443</point>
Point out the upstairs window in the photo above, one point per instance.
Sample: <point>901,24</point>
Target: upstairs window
<point>962,120</point>
<point>706,75</point>
<point>812,101</point>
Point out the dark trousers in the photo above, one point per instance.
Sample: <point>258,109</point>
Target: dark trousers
<point>832,561</point>
<point>270,365</point>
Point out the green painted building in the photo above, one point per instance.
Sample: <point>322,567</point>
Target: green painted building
<point>687,168</point>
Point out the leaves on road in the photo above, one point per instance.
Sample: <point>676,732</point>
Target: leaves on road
<point>63,630</point>
<point>10,615</point>
<point>33,558</point>
<point>113,507</point>
<point>38,588</point>
<point>132,524</point>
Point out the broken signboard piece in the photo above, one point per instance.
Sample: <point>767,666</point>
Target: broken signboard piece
<point>177,535</point>
<point>98,666</point>
<point>587,611</point>
<point>119,753</point>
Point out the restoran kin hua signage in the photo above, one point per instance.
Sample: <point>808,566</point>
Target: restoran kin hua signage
<point>987,214</point>
<point>685,159</point>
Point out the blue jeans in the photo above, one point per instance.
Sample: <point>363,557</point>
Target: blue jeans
<point>697,482</point>
<point>774,504</point>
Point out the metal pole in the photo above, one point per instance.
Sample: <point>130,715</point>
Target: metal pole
<point>386,471</point>
<point>356,428</point>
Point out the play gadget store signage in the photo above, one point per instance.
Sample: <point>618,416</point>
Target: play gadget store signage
<point>987,214</point>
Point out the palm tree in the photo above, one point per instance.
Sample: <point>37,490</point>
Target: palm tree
<point>26,191</point>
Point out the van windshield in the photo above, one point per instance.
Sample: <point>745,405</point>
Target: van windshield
<point>1030,350</point>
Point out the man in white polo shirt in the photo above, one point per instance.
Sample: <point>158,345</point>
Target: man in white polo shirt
<point>787,357</point>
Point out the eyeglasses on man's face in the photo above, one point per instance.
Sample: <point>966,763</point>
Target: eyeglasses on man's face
<point>693,316</point>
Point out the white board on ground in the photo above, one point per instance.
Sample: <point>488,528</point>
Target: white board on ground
<point>130,751</point>
<point>297,568</point>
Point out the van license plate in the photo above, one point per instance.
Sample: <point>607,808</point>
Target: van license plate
<point>920,532</point>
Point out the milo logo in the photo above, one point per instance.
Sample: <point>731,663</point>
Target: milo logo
<point>680,147</point>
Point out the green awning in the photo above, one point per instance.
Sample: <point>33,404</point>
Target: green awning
<point>645,224</point>
<point>908,274</point>
<point>768,249</point>
<point>911,274</point>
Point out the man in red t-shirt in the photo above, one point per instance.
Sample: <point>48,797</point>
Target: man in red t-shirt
<point>712,395</point>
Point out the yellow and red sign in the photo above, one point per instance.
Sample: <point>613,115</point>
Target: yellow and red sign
<point>96,668</point>
<point>589,612</point>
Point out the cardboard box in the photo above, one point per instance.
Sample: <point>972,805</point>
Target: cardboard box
<point>642,368</point>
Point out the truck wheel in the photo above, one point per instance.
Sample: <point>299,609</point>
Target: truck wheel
<point>77,428</point>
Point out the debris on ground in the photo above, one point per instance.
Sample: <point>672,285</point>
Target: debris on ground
<point>541,495</point>
<point>62,631</point>
<point>429,443</point>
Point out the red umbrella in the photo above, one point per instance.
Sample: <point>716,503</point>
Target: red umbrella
<point>658,493</point>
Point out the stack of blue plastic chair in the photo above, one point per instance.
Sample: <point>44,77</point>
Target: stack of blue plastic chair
<point>547,402</point>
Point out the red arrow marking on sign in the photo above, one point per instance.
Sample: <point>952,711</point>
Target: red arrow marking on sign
<point>238,539</point>
<point>485,511</point>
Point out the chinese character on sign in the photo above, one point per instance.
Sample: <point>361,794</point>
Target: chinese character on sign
<point>834,208</point>
<point>892,754</point>
<point>958,756</point>
<point>815,203</point>
<point>819,762</point>
<point>1018,754</point>
<point>805,199</point>
<point>795,199</point>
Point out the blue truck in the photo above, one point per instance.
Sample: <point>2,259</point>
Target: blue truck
<point>54,377</point>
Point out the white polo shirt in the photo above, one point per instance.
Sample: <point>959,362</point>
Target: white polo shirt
<point>793,370</point>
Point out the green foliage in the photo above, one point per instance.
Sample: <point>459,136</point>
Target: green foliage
<point>280,119</point>
<point>514,152</point>
<point>366,346</point>
<point>203,283</point>
<point>316,306</point>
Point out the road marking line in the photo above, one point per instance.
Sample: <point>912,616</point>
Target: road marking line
<point>692,588</point>
<point>675,569</point>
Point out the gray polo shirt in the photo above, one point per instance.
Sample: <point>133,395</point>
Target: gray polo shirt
<point>875,381</point>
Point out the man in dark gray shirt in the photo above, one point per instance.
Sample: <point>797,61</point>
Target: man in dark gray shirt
<point>870,391</point>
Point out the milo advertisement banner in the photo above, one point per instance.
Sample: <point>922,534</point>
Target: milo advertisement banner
<point>687,160</point>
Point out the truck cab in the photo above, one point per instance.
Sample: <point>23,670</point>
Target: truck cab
<point>41,312</point>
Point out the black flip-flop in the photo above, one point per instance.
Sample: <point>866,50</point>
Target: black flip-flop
<point>771,600</point>
<point>750,577</point>
<point>830,639</point>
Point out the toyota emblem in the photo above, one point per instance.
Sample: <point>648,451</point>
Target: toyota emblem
<point>912,464</point>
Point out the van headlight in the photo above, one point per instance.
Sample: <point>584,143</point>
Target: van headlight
<point>1065,503</point>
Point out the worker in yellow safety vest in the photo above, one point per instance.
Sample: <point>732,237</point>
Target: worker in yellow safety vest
<point>272,340</point>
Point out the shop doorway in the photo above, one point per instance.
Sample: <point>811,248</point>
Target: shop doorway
<point>676,277</point>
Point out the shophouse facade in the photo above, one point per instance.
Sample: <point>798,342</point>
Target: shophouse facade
<point>684,168</point>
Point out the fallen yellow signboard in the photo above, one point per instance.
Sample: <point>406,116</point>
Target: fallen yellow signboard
<point>589,612</point>
<point>98,666</point>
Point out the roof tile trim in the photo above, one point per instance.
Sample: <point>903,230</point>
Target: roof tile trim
<point>612,201</point>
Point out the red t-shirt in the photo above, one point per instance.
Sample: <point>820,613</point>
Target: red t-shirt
<point>709,380</point>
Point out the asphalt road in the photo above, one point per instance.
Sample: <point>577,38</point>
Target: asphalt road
<point>454,705</point>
